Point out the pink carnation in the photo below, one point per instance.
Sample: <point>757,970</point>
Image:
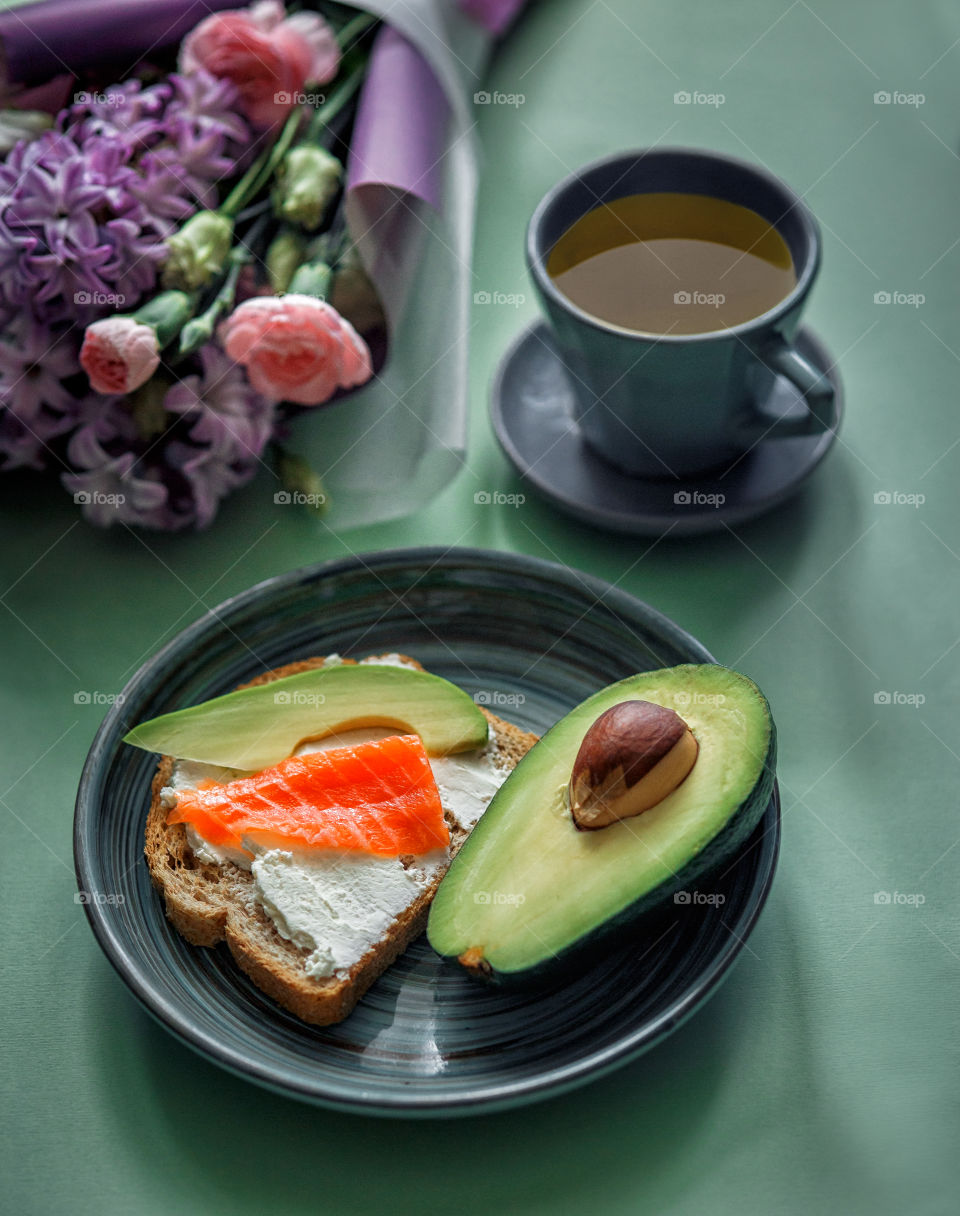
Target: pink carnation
<point>295,348</point>
<point>119,354</point>
<point>269,56</point>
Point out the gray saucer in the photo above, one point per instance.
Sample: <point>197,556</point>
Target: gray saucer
<point>532,412</point>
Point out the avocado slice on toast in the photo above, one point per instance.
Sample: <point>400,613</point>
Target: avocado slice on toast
<point>255,727</point>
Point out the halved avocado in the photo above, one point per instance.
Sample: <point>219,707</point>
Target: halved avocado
<point>256,727</point>
<point>528,890</point>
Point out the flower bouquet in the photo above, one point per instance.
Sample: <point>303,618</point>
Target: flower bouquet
<point>200,251</point>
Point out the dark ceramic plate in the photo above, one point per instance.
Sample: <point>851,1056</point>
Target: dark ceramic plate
<point>425,1039</point>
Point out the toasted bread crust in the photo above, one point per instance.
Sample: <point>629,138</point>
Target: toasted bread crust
<point>209,903</point>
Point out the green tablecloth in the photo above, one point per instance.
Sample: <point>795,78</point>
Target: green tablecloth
<point>823,1077</point>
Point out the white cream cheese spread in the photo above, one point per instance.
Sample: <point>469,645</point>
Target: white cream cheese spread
<point>385,660</point>
<point>334,906</point>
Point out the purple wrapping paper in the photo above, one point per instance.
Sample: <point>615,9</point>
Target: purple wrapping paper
<point>53,36</point>
<point>401,123</point>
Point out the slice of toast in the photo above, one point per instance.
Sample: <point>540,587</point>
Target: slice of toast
<point>209,902</point>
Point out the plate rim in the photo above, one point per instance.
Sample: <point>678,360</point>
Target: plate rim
<point>175,1018</point>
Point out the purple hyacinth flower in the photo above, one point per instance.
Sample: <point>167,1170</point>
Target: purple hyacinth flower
<point>162,189</point>
<point>204,141</point>
<point>29,447</point>
<point>109,489</point>
<point>108,418</point>
<point>217,429</point>
<point>60,255</point>
<point>34,360</point>
<point>204,104</point>
<point>229,427</point>
<point>205,138</point>
<point>127,113</point>
<point>85,209</point>
<point>226,413</point>
<point>209,475</point>
<point>35,407</point>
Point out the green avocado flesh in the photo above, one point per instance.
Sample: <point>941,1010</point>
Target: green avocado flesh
<point>528,887</point>
<point>256,727</point>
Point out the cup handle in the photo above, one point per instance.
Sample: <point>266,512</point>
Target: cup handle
<point>812,384</point>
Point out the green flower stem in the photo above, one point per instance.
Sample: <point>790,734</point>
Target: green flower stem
<point>355,28</point>
<point>260,172</point>
<point>201,329</point>
<point>148,410</point>
<point>335,101</point>
<point>254,211</point>
<point>332,245</point>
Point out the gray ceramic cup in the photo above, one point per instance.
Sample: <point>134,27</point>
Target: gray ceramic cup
<point>672,405</point>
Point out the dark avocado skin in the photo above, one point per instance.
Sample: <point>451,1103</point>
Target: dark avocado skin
<point>645,914</point>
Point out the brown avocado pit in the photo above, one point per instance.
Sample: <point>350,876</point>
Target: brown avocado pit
<point>631,758</point>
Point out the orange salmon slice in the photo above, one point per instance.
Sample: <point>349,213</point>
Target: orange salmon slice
<point>378,797</point>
